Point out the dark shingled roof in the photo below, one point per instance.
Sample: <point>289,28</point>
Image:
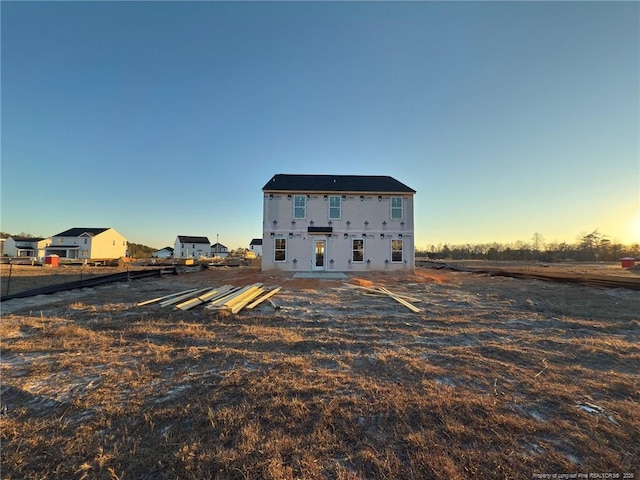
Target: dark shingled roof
<point>188,239</point>
<point>256,241</point>
<point>77,231</point>
<point>336,183</point>
<point>27,239</point>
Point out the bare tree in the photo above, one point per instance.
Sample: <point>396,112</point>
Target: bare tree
<point>537,241</point>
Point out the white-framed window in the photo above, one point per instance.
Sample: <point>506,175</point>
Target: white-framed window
<point>280,250</point>
<point>357,250</point>
<point>396,250</point>
<point>335,208</point>
<point>299,206</point>
<point>396,208</point>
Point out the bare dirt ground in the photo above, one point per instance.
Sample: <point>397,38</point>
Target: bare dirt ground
<point>495,378</point>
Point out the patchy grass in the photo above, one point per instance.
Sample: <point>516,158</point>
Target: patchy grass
<point>336,385</point>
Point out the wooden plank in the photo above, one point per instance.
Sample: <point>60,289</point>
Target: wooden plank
<point>153,300</point>
<point>223,291</point>
<point>250,295</point>
<point>267,295</point>
<point>203,298</point>
<point>221,303</point>
<point>171,301</point>
<point>215,303</point>
<point>411,307</point>
<point>232,300</point>
<point>373,290</point>
<point>249,292</point>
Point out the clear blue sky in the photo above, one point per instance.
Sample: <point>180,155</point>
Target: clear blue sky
<point>167,118</point>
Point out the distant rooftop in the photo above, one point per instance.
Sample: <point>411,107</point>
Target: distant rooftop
<point>190,239</point>
<point>77,231</point>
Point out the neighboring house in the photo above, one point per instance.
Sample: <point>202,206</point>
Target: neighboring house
<point>165,252</point>
<point>187,246</point>
<point>337,222</point>
<point>219,250</point>
<point>25,246</point>
<point>256,246</point>
<point>88,243</point>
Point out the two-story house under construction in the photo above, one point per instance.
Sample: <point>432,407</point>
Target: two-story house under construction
<point>337,223</point>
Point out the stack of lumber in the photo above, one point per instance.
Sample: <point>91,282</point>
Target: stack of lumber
<point>401,299</point>
<point>226,297</point>
<point>238,299</point>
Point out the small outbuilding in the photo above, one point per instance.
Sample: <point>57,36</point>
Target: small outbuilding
<point>627,262</point>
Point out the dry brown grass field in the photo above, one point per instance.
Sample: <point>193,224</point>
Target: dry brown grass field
<point>495,378</point>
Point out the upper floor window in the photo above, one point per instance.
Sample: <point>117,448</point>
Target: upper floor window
<point>396,208</point>
<point>335,212</point>
<point>299,206</point>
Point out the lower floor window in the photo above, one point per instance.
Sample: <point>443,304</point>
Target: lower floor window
<point>280,250</point>
<point>358,251</point>
<point>396,250</point>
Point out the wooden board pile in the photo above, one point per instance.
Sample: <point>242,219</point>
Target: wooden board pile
<point>223,298</point>
<point>401,299</point>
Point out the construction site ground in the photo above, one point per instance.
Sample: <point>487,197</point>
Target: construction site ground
<point>495,377</point>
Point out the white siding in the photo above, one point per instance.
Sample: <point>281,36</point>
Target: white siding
<point>108,245</point>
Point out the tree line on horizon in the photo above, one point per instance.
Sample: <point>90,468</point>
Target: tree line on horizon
<point>589,247</point>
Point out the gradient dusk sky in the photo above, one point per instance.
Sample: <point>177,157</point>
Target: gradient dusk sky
<point>167,118</point>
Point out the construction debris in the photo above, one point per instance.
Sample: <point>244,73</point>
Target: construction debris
<point>380,292</point>
<point>174,300</point>
<point>589,280</point>
<point>597,410</point>
<point>226,298</point>
<point>208,296</point>
<point>238,300</point>
<point>401,299</point>
<point>154,300</point>
<point>264,297</point>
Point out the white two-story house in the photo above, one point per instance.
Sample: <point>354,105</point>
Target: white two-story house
<point>88,243</point>
<point>25,246</point>
<point>187,246</point>
<point>337,223</point>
